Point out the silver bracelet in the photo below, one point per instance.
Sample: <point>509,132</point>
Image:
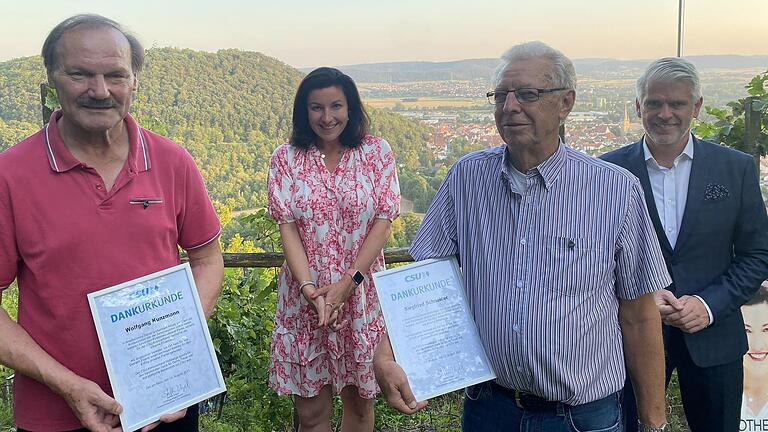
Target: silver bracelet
<point>305,283</point>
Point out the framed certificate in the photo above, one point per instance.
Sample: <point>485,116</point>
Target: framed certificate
<point>430,327</point>
<point>156,345</point>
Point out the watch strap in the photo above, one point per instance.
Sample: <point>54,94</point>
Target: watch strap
<point>645,428</point>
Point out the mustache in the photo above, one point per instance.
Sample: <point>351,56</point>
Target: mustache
<point>89,102</point>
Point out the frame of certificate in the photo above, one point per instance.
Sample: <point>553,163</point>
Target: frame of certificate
<point>430,327</point>
<point>156,345</point>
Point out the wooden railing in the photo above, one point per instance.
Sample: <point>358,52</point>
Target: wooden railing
<point>275,259</point>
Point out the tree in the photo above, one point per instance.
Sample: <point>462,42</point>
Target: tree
<point>738,128</point>
<point>14,131</point>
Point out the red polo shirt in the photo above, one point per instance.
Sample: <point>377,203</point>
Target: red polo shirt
<point>62,236</point>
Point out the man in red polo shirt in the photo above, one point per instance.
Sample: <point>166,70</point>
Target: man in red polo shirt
<point>90,201</point>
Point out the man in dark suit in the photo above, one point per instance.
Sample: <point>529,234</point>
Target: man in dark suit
<point>705,203</point>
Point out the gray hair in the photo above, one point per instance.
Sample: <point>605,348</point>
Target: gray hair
<point>669,69</point>
<point>563,73</point>
<point>50,54</point>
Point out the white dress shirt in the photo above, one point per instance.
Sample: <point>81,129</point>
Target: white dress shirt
<point>670,193</point>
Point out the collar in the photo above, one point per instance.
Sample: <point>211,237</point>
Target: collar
<point>61,159</point>
<point>687,151</point>
<point>549,170</point>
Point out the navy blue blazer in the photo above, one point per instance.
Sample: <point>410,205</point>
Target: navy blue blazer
<point>721,253</point>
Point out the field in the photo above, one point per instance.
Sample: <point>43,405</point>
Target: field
<point>421,103</point>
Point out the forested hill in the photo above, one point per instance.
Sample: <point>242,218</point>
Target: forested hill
<point>230,109</point>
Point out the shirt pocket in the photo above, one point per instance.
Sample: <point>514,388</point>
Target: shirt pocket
<point>574,265</point>
<point>145,202</point>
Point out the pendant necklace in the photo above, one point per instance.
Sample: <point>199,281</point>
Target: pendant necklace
<point>323,155</point>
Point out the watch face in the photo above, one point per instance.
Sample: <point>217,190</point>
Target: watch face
<point>358,278</point>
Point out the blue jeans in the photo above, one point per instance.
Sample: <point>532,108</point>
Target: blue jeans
<point>486,410</point>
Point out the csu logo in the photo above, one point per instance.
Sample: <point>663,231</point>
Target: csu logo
<point>145,291</point>
<point>417,276</point>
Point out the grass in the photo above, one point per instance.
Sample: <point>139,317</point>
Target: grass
<point>6,412</point>
<point>9,301</point>
<point>675,414</point>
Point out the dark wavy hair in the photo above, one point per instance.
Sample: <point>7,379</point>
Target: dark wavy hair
<point>50,53</point>
<point>302,135</point>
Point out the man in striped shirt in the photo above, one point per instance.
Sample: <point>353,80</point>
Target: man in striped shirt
<point>560,261</point>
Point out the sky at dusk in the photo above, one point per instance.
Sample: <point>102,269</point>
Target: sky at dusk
<point>335,32</point>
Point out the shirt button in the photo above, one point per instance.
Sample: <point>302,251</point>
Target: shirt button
<point>99,187</point>
<point>516,328</point>
<point>519,368</point>
<point>519,284</point>
<point>522,242</point>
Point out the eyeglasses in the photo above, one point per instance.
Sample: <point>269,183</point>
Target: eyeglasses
<point>523,95</point>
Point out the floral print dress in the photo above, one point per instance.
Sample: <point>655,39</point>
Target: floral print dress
<point>333,212</point>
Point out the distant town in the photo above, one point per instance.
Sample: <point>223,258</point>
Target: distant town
<point>604,117</point>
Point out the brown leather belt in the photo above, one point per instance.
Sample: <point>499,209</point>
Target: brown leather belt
<point>526,401</point>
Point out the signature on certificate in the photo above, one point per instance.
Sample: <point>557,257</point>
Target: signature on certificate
<point>176,390</point>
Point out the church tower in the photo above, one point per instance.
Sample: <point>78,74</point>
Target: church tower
<point>626,120</point>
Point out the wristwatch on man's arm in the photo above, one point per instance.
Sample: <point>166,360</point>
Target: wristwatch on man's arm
<point>645,428</point>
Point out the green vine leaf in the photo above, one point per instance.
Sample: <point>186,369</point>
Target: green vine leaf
<point>719,113</point>
<point>756,86</point>
<point>51,99</point>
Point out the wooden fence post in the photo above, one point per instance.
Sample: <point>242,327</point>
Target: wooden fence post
<point>46,112</point>
<point>752,120</point>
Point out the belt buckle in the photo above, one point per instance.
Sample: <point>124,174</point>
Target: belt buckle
<point>518,402</point>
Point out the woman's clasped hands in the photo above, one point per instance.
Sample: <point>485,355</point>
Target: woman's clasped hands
<point>329,302</point>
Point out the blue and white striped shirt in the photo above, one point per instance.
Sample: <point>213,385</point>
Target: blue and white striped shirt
<point>545,267</point>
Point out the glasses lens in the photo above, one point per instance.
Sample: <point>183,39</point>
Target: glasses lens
<point>527,95</point>
<point>499,97</point>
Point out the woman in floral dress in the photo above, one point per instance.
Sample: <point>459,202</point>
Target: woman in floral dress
<point>333,190</point>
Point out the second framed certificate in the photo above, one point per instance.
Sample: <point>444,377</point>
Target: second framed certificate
<point>430,327</point>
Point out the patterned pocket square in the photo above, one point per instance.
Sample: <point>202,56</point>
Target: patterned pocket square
<point>715,192</point>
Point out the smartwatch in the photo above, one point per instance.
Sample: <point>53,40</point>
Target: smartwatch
<point>356,276</point>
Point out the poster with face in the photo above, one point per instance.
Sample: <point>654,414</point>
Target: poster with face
<point>754,407</point>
